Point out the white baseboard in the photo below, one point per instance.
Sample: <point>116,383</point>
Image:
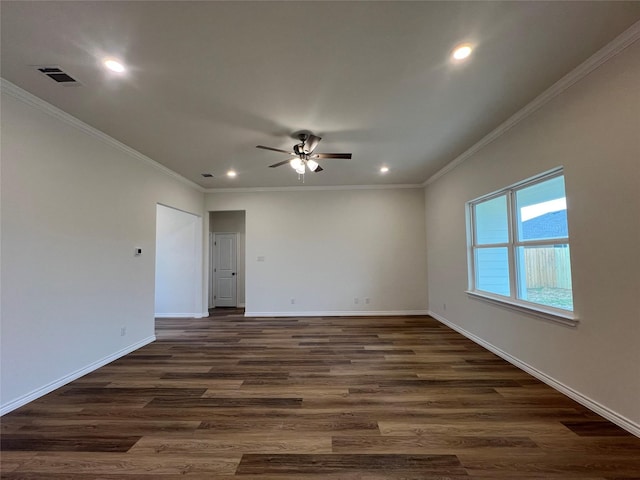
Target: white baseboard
<point>39,392</point>
<point>339,313</point>
<point>582,399</point>
<point>181,315</point>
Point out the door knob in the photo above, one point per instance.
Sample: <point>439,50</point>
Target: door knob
<point>233,273</point>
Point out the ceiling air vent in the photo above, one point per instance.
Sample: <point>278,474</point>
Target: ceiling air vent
<point>207,175</point>
<point>56,73</point>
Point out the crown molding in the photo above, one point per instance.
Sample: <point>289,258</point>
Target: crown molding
<point>613,48</point>
<point>36,102</point>
<point>312,188</point>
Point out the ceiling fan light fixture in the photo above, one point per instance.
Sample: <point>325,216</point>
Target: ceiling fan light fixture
<point>304,157</point>
<point>296,163</point>
<point>313,165</point>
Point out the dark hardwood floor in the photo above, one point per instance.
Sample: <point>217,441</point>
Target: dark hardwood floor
<point>311,398</point>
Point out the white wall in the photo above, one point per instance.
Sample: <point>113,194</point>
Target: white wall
<point>233,222</point>
<point>592,129</point>
<point>325,248</point>
<point>74,208</point>
<point>178,264</point>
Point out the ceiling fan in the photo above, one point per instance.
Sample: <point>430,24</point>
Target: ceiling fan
<point>304,158</point>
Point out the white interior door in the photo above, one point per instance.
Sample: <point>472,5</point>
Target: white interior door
<point>225,270</point>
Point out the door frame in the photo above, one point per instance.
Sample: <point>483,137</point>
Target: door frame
<point>212,261</point>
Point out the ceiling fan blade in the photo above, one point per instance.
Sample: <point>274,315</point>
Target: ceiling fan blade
<point>319,169</point>
<point>346,156</point>
<point>311,143</point>
<point>274,149</point>
<point>279,163</point>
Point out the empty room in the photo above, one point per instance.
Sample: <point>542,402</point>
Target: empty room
<point>319,240</point>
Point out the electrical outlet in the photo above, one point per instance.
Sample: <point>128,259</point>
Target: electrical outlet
<point>444,307</point>
<point>293,301</point>
<point>367,300</point>
<point>123,331</point>
<point>356,301</point>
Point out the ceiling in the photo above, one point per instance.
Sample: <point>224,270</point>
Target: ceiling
<point>208,81</point>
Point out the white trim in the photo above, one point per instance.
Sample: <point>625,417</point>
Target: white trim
<point>535,310</point>
<point>617,45</point>
<point>181,315</point>
<point>40,104</point>
<point>582,399</point>
<point>613,48</point>
<point>309,188</point>
<point>339,313</point>
<point>30,99</point>
<point>513,300</point>
<point>527,182</point>
<point>211,277</point>
<point>39,392</point>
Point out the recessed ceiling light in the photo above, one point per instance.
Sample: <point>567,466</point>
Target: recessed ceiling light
<point>231,173</point>
<point>462,51</point>
<point>113,65</point>
<point>384,169</point>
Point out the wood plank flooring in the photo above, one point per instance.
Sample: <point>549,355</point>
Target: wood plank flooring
<point>362,398</point>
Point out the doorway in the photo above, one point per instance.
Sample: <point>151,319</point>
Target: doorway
<point>178,272</point>
<point>227,259</point>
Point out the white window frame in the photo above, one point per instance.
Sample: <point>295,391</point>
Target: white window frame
<point>565,317</point>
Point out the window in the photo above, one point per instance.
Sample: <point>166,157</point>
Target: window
<point>519,247</point>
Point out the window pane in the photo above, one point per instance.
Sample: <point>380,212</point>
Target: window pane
<point>542,211</point>
<point>491,221</point>
<point>544,275</point>
<point>492,270</point>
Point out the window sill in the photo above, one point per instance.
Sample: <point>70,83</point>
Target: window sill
<point>547,314</point>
